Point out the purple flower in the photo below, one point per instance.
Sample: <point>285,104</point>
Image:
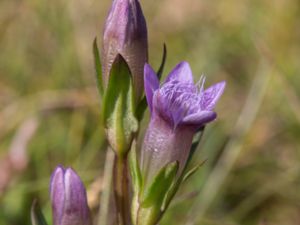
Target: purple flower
<point>125,33</point>
<point>178,109</point>
<point>68,197</point>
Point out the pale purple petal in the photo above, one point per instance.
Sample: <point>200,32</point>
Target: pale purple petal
<point>75,202</point>
<point>57,194</point>
<point>211,95</point>
<point>199,119</point>
<point>182,72</point>
<point>151,84</point>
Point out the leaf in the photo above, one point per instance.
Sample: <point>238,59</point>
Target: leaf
<point>98,66</point>
<point>37,217</point>
<point>118,107</point>
<point>135,170</point>
<point>160,185</point>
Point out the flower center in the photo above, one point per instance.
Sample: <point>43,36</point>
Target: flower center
<point>180,99</point>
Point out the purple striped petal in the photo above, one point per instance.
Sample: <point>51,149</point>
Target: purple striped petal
<point>199,118</point>
<point>211,95</point>
<point>182,73</point>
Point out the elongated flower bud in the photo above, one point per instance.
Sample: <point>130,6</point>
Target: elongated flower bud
<point>178,109</point>
<point>68,198</point>
<point>125,33</point>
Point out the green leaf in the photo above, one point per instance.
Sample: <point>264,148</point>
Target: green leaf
<point>135,170</point>
<point>37,217</point>
<point>155,193</point>
<point>98,66</point>
<point>119,108</point>
<point>163,61</point>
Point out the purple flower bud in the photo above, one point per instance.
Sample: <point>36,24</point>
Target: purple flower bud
<point>68,197</point>
<point>125,33</point>
<point>178,109</point>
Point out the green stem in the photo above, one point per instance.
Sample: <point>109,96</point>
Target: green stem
<point>121,190</point>
<point>107,183</point>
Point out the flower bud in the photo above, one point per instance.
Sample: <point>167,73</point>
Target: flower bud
<point>125,33</point>
<point>68,198</point>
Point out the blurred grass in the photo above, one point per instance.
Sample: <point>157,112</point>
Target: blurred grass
<point>46,73</point>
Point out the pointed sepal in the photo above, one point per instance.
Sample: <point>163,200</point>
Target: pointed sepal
<point>150,200</point>
<point>163,61</point>
<point>192,171</point>
<point>160,185</point>
<point>119,108</point>
<point>196,140</point>
<point>135,170</point>
<point>98,66</point>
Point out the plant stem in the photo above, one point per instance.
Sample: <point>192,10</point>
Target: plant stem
<point>121,190</point>
<point>107,183</point>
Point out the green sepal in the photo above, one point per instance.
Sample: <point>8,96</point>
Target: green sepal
<point>37,217</point>
<point>98,66</point>
<point>163,61</point>
<point>170,194</point>
<point>142,106</point>
<point>155,193</point>
<point>119,108</point>
<point>189,173</point>
<point>196,140</point>
<point>135,171</point>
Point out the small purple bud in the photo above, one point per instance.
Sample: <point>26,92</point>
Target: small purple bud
<point>125,33</point>
<point>68,198</point>
<point>178,109</point>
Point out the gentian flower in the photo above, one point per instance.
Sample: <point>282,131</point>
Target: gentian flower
<point>68,198</point>
<point>125,33</point>
<point>178,109</point>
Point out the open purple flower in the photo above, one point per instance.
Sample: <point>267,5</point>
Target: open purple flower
<point>178,109</point>
<point>68,198</point>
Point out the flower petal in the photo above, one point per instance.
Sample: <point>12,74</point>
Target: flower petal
<point>182,72</point>
<point>76,211</point>
<point>211,95</point>
<point>151,84</point>
<point>199,119</point>
<point>57,194</point>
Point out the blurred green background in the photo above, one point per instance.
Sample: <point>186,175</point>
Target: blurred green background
<point>49,106</point>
